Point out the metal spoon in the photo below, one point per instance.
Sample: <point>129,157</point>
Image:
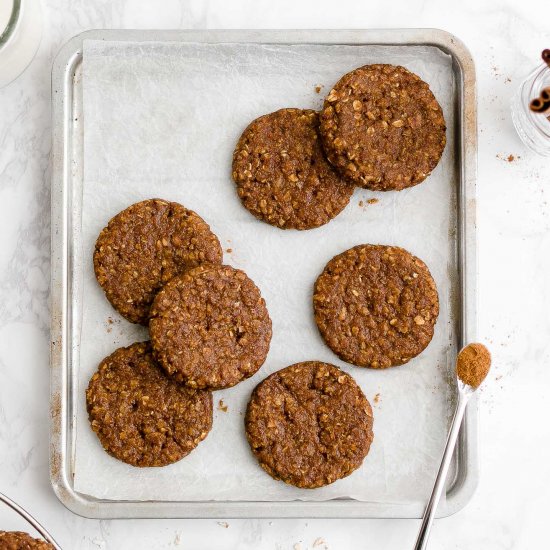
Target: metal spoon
<point>26,516</point>
<point>465,391</point>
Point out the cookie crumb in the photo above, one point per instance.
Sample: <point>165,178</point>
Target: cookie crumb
<point>222,406</point>
<point>361,203</point>
<point>229,250</point>
<point>373,201</point>
<point>318,88</point>
<point>376,399</point>
<point>508,158</point>
<point>318,542</point>
<point>223,524</point>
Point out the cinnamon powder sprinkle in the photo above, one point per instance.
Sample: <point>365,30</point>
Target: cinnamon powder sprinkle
<point>222,406</point>
<point>473,364</point>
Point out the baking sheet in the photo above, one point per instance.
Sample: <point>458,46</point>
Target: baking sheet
<point>161,119</point>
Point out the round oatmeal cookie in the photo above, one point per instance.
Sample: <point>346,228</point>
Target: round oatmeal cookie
<point>376,306</point>
<point>17,540</point>
<point>282,175</point>
<point>210,327</point>
<point>146,245</point>
<point>141,416</point>
<point>382,127</point>
<point>309,424</point>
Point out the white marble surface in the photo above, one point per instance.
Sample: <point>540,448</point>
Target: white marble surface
<point>509,510</point>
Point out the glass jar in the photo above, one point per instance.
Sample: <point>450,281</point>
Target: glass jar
<point>20,34</point>
<point>533,128</point>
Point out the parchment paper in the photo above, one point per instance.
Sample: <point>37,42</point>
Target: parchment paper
<point>161,120</point>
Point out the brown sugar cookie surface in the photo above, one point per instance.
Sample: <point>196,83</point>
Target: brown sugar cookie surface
<point>17,540</point>
<point>210,327</point>
<point>376,306</point>
<point>282,175</point>
<point>141,416</point>
<point>382,127</point>
<point>143,247</point>
<point>309,424</point>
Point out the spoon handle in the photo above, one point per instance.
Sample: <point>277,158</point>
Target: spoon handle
<point>429,513</point>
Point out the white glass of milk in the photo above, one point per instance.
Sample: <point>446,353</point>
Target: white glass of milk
<point>20,34</point>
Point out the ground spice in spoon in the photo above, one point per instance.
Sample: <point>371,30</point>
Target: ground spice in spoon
<point>473,364</point>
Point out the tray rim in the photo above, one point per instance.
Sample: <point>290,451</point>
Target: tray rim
<point>63,70</point>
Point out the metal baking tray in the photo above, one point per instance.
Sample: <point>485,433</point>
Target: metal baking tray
<point>66,197</point>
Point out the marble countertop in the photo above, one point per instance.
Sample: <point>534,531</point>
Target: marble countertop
<point>509,509</point>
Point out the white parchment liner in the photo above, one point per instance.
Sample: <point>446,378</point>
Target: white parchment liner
<point>161,120</point>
